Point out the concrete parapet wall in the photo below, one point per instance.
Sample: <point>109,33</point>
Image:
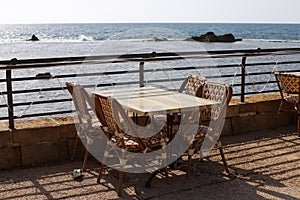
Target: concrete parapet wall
<point>38,141</point>
<point>258,112</point>
<point>51,140</point>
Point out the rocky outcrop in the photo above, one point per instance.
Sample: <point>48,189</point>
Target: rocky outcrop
<point>212,37</point>
<point>155,39</point>
<point>34,38</point>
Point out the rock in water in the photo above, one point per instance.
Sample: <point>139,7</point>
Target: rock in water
<point>34,38</point>
<point>211,37</point>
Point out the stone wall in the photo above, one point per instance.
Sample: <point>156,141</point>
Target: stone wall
<point>259,112</point>
<point>37,141</point>
<point>51,140</point>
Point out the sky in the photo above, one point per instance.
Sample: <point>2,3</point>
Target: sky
<point>99,11</point>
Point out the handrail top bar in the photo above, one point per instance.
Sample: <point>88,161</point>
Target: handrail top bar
<point>140,56</point>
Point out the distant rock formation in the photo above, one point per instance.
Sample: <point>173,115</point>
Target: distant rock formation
<point>34,38</point>
<point>155,39</point>
<point>212,37</point>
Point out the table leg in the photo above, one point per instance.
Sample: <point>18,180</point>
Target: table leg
<point>298,117</point>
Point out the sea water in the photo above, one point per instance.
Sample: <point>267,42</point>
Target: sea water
<point>58,40</point>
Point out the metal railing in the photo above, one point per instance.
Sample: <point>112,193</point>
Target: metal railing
<point>21,78</point>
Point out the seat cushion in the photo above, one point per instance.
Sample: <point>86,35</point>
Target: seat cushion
<point>292,99</point>
<point>132,145</point>
<point>202,132</point>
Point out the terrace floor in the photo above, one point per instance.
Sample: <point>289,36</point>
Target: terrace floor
<point>264,165</point>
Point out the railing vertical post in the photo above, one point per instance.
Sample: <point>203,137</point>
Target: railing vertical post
<point>10,104</point>
<point>243,79</point>
<point>142,74</point>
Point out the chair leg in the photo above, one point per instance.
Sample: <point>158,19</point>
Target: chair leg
<point>102,165</point>
<point>167,173</point>
<point>100,172</point>
<point>75,147</point>
<point>278,113</point>
<point>298,116</point>
<point>120,185</point>
<point>86,156</point>
<point>164,155</point>
<point>220,147</point>
<point>189,168</point>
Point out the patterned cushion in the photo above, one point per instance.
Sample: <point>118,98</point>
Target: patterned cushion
<point>132,145</point>
<point>156,140</point>
<point>216,92</point>
<point>288,83</point>
<point>193,84</point>
<point>123,135</point>
<point>200,136</point>
<point>108,113</point>
<point>292,99</point>
<point>202,132</point>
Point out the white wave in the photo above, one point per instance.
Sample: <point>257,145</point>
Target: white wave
<point>85,38</point>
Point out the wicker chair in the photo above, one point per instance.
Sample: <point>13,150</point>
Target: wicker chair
<point>191,84</point>
<point>289,88</point>
<point>87,126</point>
<point>125,134</point>
<point>221,93</point>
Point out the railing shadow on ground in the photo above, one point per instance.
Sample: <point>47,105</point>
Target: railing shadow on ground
<point>52,182</point>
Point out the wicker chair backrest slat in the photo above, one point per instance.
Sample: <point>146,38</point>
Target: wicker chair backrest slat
<point>288,83</point>
<point>192,84</point>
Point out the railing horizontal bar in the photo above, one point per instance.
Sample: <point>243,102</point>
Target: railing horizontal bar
<point>42,102</point>
<point>3,118</point>
<point>251,93</point>
<point>3,105</point>
<point>76,75</point>
<point>273,63</point>
<point>267,91</point>
<point>254,83</point>
<point>129,60</point>
<point>45,114</point>
<point>37,90</point>
<point>269,73</point>
<point>64,88</point>
<point>12,64</point>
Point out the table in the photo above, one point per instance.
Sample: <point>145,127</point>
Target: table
<point>152,100</point>
<point>292,73</point>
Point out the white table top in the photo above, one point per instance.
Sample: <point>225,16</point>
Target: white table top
<point>292,73</point>
<point>151,100</point>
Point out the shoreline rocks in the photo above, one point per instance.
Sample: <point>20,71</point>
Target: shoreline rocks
<point>212,37</point>
<point>155,39</point>
<point>34,38</point>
